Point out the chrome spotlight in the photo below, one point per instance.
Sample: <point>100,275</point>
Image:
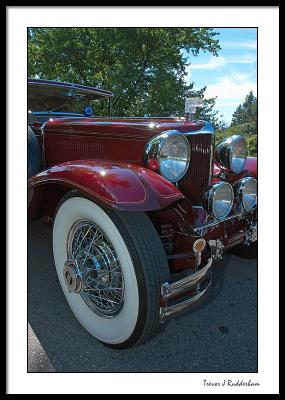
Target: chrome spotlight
<point>231,153</point>
<point>219,199</point>
<point>246,193</point>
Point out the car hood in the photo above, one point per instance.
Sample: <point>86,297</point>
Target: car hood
<point>142,128</point>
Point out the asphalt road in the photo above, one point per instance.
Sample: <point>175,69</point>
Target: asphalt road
<point>218,335</point>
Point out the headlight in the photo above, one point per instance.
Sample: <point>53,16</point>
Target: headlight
<point>232,153</point>
<point>219,199</point>
<point>169,153</point>
<point>246,193</point>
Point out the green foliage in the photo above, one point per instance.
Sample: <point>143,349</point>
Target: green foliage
<point>252,145</point>
<point>244,122</point>
<point>246,113</point>
<point>144,67</point>
<point>206,112</point>
<point>242,129</point>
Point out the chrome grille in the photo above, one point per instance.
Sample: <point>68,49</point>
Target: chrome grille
<point>197,177</point>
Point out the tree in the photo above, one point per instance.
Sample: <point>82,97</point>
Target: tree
<point>246,113</point>
<point>238,116</point>
<point>206,112</point>
<point>252,145</point>
<point>144,67</point>
<point>244,122</point>
<point>222,124</point>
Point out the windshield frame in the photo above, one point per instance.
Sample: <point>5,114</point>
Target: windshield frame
<point>68,90</point>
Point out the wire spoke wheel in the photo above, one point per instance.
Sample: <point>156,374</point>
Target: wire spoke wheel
<point>98,266</point>
<point>110,265</point>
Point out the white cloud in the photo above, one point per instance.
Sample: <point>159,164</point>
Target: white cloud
<point>238,76</point>
<point>246,44</point>
<point>230,91</point>
<point>220,62</point>
<point>249,58</point>
<point>228,103</point>
<point>229,87</point>
<point>214,63</point>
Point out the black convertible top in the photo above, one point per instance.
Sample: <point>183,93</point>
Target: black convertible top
<point>66,89</point>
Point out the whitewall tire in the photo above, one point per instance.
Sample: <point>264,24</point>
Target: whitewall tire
<point>117,267</point>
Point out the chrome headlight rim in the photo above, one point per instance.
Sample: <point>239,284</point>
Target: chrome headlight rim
<point>210,197</point>
<point>239,188</point>
<point>225,155</point>
<point>154,147</point>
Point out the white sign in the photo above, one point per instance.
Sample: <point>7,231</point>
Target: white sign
<point>191,104</point>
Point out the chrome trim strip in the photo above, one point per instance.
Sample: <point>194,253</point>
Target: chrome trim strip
<point>211,169</point>
<point>219,221</point>
<point>170,290</point>
<point>207,128</point>
<point>166,312</point>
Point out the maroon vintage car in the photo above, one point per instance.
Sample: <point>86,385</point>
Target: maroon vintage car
<point>140,207</point>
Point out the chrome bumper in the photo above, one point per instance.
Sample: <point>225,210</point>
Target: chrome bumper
<point>191,282</point>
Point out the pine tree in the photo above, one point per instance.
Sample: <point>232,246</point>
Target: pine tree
<point>246,113</point>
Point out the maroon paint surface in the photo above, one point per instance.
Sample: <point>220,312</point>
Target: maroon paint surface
<point>250,169</point>
<point>117,185</point>
<point>116,139</point>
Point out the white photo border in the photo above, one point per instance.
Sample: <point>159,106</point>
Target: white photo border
<point>266,19</point>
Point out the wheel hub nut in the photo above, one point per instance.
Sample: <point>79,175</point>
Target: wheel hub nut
<point>104,279</point>
<point>72,277</point>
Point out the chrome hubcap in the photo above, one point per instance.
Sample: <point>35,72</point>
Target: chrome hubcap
<point>93,269</point>
<point>72,277</point>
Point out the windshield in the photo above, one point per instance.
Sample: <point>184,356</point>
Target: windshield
<point>46,97</point>
<point>68,104</point>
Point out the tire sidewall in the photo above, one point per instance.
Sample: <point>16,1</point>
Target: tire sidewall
<point>115,330</point>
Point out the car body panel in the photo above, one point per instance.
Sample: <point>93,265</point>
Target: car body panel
<point>115,185</point>
<point>249,169</point>
<point>85,138</point>
<point>251,166</point>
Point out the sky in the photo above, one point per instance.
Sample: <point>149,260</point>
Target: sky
<point>232,74</point>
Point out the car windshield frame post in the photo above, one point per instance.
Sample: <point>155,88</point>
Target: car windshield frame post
<point>110,107</point>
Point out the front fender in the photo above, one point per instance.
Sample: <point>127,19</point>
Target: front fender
<point>249,169</point>
<point>251,166</point>
<point>115,185</point>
